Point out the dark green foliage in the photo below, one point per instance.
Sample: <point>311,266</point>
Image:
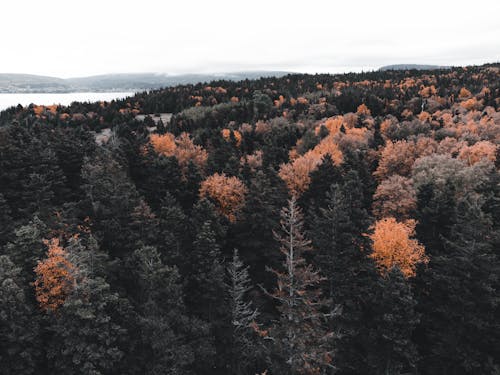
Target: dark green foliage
<point>20,351</point>
<point>171,342</point>
<point>339,235</point>
<point>459,301</point>
<point>89,329</point>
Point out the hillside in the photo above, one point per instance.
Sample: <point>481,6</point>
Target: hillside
<point>412,66</point>
<point>304,224</point>
<point>18,83</point>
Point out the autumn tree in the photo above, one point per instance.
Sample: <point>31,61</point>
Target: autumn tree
<point>55,277</point>
<point>395,197</point>
<point>394,247</point>
<point>300,336</point>
<point>228,193</point>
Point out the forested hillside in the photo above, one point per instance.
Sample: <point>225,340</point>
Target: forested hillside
<point>307,224</point>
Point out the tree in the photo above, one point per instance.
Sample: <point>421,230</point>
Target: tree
<point>300,335</point>
<point>55,277</point>
<point>459,297</point>
<point>395,320</point>
<point>228,192</point>
<point>6,224</point>
<point>170,341</point>
<point>88,331</point>
<point>245,347</point>
<point>394,247</point>
<point>204,288</point>
<point>339,232</point>
<point>395,197</point>
<point>19,330</point>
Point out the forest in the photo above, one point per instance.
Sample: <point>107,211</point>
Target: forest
<point>307,224</point>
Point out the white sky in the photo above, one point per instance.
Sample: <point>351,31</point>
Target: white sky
<point>67,38</point>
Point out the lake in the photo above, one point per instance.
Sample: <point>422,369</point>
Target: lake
<point>9,100</point>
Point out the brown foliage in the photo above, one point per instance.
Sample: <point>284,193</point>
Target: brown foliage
<point>395,197</point>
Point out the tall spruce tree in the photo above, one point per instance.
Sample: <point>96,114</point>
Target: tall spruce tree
<point>339,233</point>
<point>459,297</point>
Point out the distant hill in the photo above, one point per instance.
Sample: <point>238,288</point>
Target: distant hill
<point>413,66</point>
<point>27,83</point>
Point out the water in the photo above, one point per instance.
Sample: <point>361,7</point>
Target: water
<point>9,100</point>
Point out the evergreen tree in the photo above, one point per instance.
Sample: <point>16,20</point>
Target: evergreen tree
<point>88,333</point>
<point>6,224</point>
<point>459,297</point>
<point>300,336</point>
<point>395,320</point>
<point>338,232</point>
<point>19,329</point>
<point>171,342</point>
<point>246,350</point>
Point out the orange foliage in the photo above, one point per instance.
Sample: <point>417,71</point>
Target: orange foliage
<point>478,151</point>
<point>228,192</point>
<point>226,134</point>
<point>163,144</point>
<point>426,92</point>
<point>296,173</point>
<point>54,277</point>
<point>464,93</point>
<point>394,247</point>
<point>471,104</point>
<point>363,110</point>
<point>181,147</point>
<point>234,99</point>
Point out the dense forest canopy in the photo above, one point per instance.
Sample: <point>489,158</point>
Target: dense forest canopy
<point>306,224</point>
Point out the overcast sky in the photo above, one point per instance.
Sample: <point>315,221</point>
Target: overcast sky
<point>68,38</point>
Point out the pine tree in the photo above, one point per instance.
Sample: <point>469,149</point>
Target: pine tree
<point>459,297</point>
<point>19,325</point>
<point>88,333</point>
<point>300,335</point>
<point>170,341</point>
<point>245,348</point>
<point>395,321</point>
<point>6,224</point>
<point>339,234</point>
<point>204,288</point>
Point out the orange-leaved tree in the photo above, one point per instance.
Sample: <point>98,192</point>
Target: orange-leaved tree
<point>55,277</point>
<point>228,193</point>
<point>394,247</point>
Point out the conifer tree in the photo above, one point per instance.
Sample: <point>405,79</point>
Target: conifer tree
<point>170,341</point>
<point>339,233</point>
<point>300,336</point>
<point>244,343</point>
<point>19,325</point>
